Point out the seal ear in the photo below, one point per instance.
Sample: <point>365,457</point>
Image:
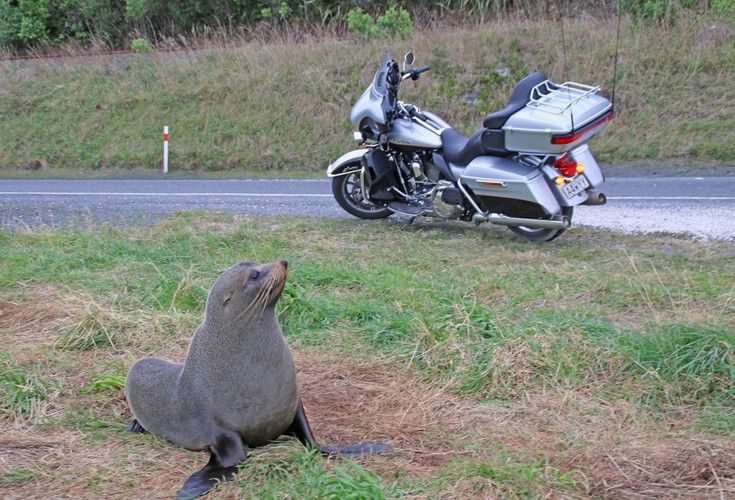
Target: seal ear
<point>227,299</point>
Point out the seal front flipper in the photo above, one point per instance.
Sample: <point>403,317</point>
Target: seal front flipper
<point>301,429</point>
<point>222,467</point>
<point>136,427</point>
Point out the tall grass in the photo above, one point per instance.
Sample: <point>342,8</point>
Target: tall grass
<point>285,106</point>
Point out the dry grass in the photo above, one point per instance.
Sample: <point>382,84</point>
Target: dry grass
<point>609,446</point>
<point>32,323</point>
<point>428,429</point>
<point>582,406</point>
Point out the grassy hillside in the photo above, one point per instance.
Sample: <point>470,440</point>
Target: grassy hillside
<point>285,107</point>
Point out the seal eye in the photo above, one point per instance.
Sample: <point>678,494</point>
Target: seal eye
<point>254,275</point>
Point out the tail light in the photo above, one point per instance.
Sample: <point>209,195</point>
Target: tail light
<point>572,137</point>
<point>568,167</point>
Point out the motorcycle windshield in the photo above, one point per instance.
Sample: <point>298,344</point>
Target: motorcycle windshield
<point>380,82</point>
<point>375,103</point>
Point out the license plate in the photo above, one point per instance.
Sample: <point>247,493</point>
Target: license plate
<point>575,187</point>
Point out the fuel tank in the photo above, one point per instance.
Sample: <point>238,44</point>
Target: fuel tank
<point>404,133</point>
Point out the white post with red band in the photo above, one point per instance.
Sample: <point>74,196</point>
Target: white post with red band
<point>165,149</point>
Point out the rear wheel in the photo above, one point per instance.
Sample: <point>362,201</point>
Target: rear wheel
<point>347,190</point>
<point>542,234</point>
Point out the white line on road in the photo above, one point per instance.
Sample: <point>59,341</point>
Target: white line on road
<point>716,198</point>
<point>305,195</point>
<point>259,195</point>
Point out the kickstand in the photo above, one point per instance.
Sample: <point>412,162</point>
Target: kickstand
<point>408,224</point>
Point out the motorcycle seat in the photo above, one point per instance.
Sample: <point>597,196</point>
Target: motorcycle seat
<point>520,96</point>
<point>460,149</point>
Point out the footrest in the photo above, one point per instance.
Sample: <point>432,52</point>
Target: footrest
<point>405,208</point>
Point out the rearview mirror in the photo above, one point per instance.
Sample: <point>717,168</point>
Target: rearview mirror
<point>408,59</point>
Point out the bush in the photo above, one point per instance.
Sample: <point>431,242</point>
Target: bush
<point>361,24</point>
<point>23,22</point>
<point>391,24</point>
<point>141,46</point>
<point>396,23</point>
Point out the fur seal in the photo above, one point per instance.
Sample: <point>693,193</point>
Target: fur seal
<point>237,387</point>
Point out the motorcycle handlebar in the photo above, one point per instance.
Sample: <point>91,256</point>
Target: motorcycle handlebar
<point>414,73</point>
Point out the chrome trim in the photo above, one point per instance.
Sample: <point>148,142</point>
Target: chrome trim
<point>469,198</point>
<point>362,185</point>
<point>345,158</point>
<point>558,97</point>
<point>427,125</point>
<point>562,223</point>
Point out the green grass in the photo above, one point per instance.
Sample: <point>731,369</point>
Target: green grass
<point>598,330</point>
<point>508,476</point>
<point>23,392</point>
<point>285,107</point>
<point>305,475</point>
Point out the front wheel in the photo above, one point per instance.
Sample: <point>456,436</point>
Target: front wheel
<point>542,234</point>
<point>347,190</point>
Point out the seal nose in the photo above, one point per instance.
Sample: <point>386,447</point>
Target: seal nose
<point>284,263</point>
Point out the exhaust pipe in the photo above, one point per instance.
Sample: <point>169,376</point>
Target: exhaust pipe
<point>595,199</point>
<point>564,222</point>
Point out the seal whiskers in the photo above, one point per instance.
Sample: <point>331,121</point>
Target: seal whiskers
<point>267,293</point>
<point>237,387</point>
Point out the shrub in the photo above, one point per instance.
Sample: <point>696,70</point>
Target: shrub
<point>396,23</point>
<point>361,24</point>
<point>392,23</point>
<point>141,46</point>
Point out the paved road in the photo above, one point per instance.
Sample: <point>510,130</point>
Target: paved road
<point>703,207</point>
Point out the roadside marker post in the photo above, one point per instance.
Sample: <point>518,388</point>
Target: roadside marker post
<point>165,149</point>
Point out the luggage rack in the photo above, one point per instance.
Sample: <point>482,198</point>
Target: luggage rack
<point>557,98</point>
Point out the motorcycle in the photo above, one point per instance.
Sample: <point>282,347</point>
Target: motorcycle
<point>526,168</point>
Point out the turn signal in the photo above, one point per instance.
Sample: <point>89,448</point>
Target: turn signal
<point>567,167</point>
<point>559,181</point>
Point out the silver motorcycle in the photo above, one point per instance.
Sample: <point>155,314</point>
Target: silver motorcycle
<point>526,168</point>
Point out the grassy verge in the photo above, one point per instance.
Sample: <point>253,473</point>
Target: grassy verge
<point>603,365</point>
<point>285,107</point>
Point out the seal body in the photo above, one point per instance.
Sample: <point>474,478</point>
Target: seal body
<point>237,386</point>
<point>238,375</point>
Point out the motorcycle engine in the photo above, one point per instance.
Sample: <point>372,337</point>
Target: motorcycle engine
<point>447,200</point>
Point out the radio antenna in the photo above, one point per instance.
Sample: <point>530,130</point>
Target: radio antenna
<point>615,64</point>
<point>563,3</point>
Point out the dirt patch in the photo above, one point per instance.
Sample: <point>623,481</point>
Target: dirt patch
<point>347,402</point>
<point>618,453</point>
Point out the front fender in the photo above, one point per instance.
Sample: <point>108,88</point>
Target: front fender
<point>337,168</point>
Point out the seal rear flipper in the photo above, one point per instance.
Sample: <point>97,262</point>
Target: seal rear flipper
<point>301,429</point>
<point>204,480</point>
